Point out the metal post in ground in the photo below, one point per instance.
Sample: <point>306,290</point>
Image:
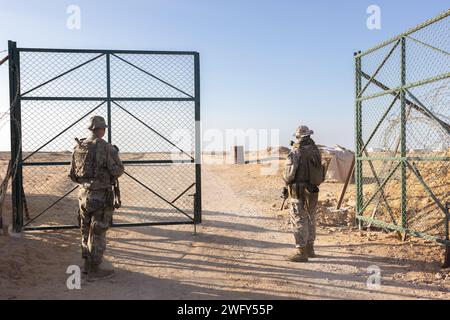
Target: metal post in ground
<point>16,137</point>
<point>108,93</point>
<point>403,135</point>
<point>447,238</point>
<point>358,165</point>
<point>198,152</point>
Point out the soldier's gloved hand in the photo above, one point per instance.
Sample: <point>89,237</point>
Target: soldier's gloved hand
<point>116,147</point>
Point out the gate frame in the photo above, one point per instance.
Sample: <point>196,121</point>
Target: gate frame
<point>403,160</point>
<point>17,193</point>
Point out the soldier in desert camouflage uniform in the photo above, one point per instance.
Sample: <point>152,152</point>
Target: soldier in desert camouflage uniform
<point>95,167</point>
<point>301,175</point>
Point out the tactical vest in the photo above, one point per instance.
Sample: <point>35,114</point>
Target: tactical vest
<point>85,159</point>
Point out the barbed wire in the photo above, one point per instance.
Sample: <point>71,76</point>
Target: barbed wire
<point>435,98</point>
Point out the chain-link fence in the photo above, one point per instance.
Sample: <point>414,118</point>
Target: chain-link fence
<point>403,132</point>
<point>151,102</point>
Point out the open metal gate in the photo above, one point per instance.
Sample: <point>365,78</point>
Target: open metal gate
<point>403,132</point>
<point>151,100</point>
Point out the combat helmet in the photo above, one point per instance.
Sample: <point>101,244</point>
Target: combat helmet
<point>303,131</point>
<point>96,122</point>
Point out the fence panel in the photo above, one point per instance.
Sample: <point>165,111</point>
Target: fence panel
<point>151,102</point>
<point>403,131</point>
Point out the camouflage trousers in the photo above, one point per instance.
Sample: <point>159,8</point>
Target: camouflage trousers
<point>95,219</point>
<point>303,214</point>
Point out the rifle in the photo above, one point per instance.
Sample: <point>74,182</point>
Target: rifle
<point>116,187</point>
<point>284,195</point>
<point>117,200</point>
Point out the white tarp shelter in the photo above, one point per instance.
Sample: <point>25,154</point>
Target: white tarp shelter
<point>341,162</point>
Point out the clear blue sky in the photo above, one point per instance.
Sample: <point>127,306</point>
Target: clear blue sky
<point>264,64</point>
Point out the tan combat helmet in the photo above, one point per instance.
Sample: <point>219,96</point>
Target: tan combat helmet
<point>303,131</point>
<point>96,122</point>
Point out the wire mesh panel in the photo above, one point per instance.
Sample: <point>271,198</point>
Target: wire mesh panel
<point>152,104</point>
<point>403,132</point>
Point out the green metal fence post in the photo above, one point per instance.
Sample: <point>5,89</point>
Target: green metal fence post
<point>198,144</point>
<point>447,238</point>
<point>16,137</point>
<point>108,94</point>
<point>403,133</point>
<point>358,138</point>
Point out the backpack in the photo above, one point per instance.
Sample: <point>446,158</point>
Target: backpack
<point>316,167</point>
<point>84,161</point>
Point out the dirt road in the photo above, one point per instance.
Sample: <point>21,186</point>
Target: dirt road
<point>238,253</point>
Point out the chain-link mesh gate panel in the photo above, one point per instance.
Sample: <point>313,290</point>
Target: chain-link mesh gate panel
<point>151,102</point>
<point>403,131</point>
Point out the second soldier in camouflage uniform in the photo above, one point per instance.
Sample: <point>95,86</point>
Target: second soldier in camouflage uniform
<point>95,167</point>
<point>302,174</point>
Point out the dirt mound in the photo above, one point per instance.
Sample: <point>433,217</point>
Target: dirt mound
<point>281,150</point>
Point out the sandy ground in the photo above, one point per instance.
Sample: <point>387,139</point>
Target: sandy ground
<point>238,253</point>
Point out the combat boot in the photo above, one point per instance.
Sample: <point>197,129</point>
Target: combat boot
<point>310,250</point>
<point>97,273</point>
<point>300,256</point>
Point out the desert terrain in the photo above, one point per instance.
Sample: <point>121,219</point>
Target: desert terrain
<point>238,251</point>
